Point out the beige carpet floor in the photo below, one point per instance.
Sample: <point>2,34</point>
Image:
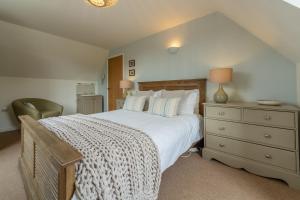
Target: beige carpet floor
<point>189,179</point>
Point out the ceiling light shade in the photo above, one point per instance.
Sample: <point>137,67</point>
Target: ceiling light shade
<point>103,3</point>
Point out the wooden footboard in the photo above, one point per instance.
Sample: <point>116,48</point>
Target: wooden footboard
<point>47,163</point>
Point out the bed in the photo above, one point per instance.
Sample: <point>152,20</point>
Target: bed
<point>48,163</point>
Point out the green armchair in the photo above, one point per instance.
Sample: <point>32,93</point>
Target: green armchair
<point>36,108</point>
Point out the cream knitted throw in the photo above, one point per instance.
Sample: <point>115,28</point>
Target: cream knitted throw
<point>120,163</point>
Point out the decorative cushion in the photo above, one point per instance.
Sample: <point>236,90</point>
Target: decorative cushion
<point>143,93</point>
<point>50,113</point>
<point>189,103</point>
<point>167,107</point>
<point>148,94</point>
<point>134,103</point>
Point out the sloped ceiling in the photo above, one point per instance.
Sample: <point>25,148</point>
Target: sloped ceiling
<point>275,22</point>
<point>111,27</point>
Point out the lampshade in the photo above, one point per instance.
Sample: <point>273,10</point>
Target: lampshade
<point>220,75</point>
<point>102,3</point>
<point>126,84</point>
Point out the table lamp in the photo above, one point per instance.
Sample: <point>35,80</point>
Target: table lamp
<point>125,85</point>
<point>221,76</point>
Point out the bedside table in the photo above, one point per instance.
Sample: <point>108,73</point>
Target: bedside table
<point>261,139</point>
<point>119,103</point>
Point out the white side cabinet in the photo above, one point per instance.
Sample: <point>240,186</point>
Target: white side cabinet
<point>261,139</point>
<point>89,104</point>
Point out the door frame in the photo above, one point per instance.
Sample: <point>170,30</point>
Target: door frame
<point>123,69</point>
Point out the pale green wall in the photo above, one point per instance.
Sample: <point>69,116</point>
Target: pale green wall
<point>215,41</point>
<point>38,64</point>
<point>298,83</point>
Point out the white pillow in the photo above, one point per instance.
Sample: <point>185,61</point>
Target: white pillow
<point>148,94</point>
<point>189,103</point>
<point>134,103</point>
<point>166,107</point>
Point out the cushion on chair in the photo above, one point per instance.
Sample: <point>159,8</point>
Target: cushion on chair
<point>50,113</point>
<point>30,105</point>
<point>36,108</point>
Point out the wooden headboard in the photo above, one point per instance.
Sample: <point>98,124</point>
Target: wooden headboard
<point>199,84</point>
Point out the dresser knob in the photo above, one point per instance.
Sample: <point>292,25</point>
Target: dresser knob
<point>268,156</point>
<point>222,129</point>
<point>268,136</point>
<point>221,145</point>
<point>221,113</point>
<point>268,118</point>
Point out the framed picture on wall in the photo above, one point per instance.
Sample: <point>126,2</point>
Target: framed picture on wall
<point>132,72</point>
<point>131,63</point>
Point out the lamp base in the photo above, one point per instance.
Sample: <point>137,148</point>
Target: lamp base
<point>220,96</point>
<point>124,93</point>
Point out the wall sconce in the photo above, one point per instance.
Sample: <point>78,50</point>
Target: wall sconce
<point>173,50</point>
<point>174,46</point>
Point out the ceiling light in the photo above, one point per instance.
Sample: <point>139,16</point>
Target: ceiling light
<point>103,3</point>
<point>295,3</point>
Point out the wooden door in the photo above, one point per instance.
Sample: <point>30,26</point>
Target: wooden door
<point>115,75</point>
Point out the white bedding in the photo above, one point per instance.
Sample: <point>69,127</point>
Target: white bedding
<point>172,136</point>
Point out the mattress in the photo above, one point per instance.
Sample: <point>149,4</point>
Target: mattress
<point>172,136</point>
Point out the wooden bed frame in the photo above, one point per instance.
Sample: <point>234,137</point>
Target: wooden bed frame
<point>199,84</point>
<point>48,164</point>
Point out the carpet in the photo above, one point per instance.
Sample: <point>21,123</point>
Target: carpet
<point>190,178</point>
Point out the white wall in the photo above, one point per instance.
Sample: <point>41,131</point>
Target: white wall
<point>298,83</point>
<point>38,64</point>
<point>215,41</point>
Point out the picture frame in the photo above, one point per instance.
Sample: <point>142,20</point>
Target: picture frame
<point>132,72</point>
<point>131,63</point>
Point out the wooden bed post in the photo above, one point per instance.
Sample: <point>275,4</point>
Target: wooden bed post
<point>47,163</point>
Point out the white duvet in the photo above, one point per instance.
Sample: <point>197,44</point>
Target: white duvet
<point>172,136</point>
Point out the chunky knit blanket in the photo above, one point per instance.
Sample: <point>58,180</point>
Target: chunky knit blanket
<point>120,163</point>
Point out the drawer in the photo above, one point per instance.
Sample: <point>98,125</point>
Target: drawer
<point>223,113</point>
<point>282,138</point>
<point>268,155</point>
<point>275,118</point>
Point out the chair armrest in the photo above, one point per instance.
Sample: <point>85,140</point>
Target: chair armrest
<point>22,109</point>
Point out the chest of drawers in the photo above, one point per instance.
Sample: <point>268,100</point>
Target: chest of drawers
<point>261,139</point>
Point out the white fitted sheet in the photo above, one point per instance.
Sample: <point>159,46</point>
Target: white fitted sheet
<point>172,136</point>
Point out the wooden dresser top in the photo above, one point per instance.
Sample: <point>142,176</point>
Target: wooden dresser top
<point>254,105</point>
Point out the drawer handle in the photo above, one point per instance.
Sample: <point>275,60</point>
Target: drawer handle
<point>221,145</point>
<point>222,129</point>
<point>268,156</point>
<point>268,118</point>
<point>221,113</point>
<point>268,136</point>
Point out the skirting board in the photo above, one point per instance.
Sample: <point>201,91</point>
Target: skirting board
<point>292,179</point>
